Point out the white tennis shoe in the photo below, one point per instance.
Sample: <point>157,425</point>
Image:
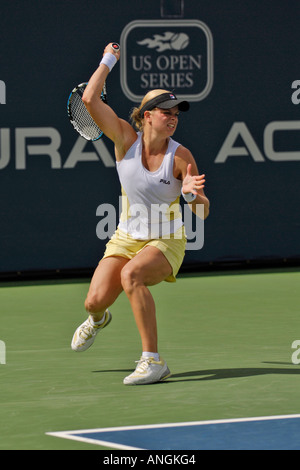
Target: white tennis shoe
<point>148,371</point>
<point>86,333</point>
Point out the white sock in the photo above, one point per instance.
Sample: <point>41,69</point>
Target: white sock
<point>97,322</point>
<point>147,354</point>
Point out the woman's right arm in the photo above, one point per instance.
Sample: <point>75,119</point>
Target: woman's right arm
<point>119,131</point>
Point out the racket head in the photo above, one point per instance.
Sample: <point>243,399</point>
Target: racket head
<point>79,116</point>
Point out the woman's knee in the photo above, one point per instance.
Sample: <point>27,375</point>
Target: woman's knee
<point>99,300</point>
<point>129,278</point>
<point>93,303</point>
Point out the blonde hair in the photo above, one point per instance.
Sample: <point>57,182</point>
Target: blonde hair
<point>135,117</point>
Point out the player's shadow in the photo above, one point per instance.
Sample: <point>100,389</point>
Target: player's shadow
<point>218,374</point>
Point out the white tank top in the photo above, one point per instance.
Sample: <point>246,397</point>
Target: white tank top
<point>150,199</point>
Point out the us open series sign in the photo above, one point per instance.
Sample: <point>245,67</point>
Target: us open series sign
<point>176,55</point>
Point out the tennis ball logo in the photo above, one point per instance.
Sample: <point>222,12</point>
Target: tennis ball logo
<point>166,41</point>
<point>179,41</point>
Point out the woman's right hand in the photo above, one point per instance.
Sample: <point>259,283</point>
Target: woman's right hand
<point>110,49</point>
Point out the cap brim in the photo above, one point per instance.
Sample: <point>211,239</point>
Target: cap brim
<point>182,105</point>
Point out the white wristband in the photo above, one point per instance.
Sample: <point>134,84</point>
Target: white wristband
<point>189,197</point>
<point>109,60</point>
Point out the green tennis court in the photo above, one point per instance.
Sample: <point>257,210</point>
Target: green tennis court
<point>227,338</point>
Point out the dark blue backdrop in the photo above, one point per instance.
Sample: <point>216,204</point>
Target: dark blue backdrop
<point>238,62</point>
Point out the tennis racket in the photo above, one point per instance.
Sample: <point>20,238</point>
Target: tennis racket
<point>79,116</point>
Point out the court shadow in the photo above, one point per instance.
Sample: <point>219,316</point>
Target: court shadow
<point>218,374</point>
<point>112,370</point>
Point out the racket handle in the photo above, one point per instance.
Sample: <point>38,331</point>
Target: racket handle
<point>115,46</point>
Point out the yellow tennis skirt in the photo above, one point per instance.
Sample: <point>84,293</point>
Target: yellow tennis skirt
<point>173,247</point>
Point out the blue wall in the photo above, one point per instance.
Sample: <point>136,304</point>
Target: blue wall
<point>238,63</point>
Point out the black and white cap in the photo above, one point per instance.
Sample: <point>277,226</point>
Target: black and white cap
<point>165,101</point>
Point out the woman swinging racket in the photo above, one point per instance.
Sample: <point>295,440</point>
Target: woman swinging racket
<point>146,248</point>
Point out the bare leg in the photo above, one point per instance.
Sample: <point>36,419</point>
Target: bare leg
<point>148,268</point>
<point>105,286</point>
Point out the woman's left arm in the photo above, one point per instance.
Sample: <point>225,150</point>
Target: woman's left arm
<point>192,183</point>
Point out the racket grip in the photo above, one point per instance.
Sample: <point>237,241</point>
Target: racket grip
<point>115,46</point>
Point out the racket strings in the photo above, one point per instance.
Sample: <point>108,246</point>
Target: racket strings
<point>82,120</point>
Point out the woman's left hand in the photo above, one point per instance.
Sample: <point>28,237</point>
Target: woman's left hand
<point>193,184</point>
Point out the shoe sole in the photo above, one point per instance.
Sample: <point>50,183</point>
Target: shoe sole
<point>164,377</point>
<point>108,321</point>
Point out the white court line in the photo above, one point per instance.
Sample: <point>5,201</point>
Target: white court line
<point>73,435</point>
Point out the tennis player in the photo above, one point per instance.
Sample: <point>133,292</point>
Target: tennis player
<point>148,246</point>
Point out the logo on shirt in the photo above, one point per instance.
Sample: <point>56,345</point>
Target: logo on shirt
<point>165,181</point>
